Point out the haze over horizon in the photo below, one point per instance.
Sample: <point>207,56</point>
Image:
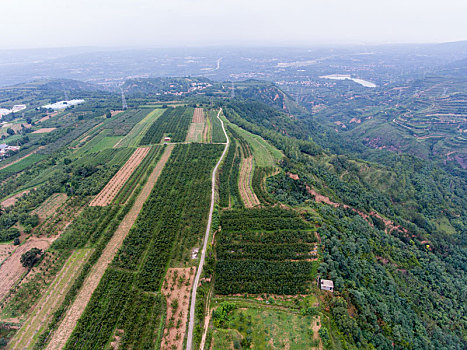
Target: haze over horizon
<point>146,23</point>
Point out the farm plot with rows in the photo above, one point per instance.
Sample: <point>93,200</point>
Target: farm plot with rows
<point>269,250</point>
<point>173,123</point>
<point>196,130</point>
<point>110,190</point>
<point>168,226</point>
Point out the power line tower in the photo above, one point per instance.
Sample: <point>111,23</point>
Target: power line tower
<point>124,105</point>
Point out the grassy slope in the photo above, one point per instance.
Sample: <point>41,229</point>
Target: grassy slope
<point>265,154</point>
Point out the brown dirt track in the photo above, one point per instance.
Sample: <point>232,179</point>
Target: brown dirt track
<point>177,286</point>
<point>248,196</point>
<point>110,190</point>
<point>43,130</point>
<point>61,335</point>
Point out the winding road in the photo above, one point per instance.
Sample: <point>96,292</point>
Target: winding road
<point>191,324</point>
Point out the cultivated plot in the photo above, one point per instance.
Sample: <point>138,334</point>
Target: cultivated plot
<point>66,327</point>
<point>108,193</point>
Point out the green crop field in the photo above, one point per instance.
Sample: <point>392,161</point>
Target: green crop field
<point>133,138</point>
<point>265,328</point>
<point>264,153</point>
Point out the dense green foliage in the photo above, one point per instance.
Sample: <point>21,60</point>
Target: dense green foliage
<point>217,132</point>
<point>140,320</point>
<point>174,123</point>
<point>169,214</point>
<point>229,194</point>
<point>258,183</point>
<point>407,286</point>
<point>263,251</point>
<point>31,257</point>
<point>106,305</point>
<point>403,292</point>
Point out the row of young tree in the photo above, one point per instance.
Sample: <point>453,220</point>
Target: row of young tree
<point>264,250</point>
<point>174,123</point>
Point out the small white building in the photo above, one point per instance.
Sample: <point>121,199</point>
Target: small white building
<point>327,285</point>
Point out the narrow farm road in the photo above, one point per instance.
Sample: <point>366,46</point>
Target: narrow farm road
<point>191,324</point>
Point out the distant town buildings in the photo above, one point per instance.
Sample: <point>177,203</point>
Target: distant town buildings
<point>4,149</point>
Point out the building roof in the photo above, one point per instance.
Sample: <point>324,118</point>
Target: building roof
<point>3,146</point>
<point>327,283</point>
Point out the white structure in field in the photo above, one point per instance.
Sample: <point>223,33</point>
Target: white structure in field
<point>16,108</point>
<point>62,104</point>
<point>327,285</point>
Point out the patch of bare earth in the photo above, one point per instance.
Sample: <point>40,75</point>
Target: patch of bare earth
<point>47,117</point>
<point>114,113</point>
<point>50,205</point>
<point>61,335</point>
<point>198,116</point>
<point>12,200</point>
<point>5,251</point>
<point>44,130</point>
<point>12,269</point>
<point>177,289</point>
<point>196,129</point>
<point>244,182</point>
<point>110,190</point>
<point>49,302</point>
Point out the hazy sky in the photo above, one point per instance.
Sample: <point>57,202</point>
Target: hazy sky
<point>58,23</point>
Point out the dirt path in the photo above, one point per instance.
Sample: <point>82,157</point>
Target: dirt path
<point>12,269</point>
<point>20,159</point>
<point>191,324</point>
<point>108,193</point>
<point>176,289</point>
<point>50,301</point>
<point>244,182</point>
<point>207,319</point>
<point>315,326</point>
<point>44,130</point>
<point>66,327</point>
